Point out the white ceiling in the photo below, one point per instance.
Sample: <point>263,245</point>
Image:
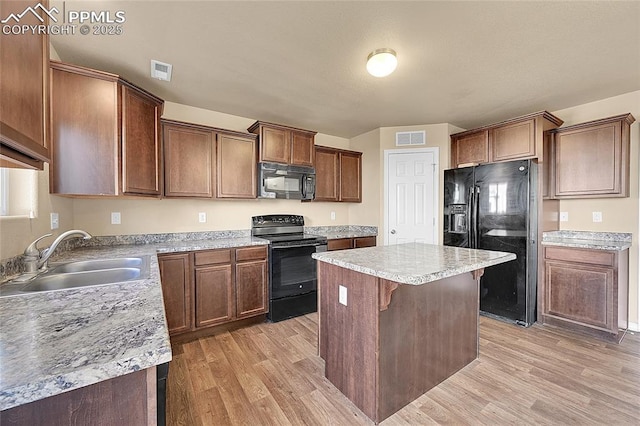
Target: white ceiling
<point>303,63</point>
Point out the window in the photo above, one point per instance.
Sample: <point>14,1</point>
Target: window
<point>18,192</point>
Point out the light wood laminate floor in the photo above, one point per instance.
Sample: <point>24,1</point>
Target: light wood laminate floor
<point>269,374</point>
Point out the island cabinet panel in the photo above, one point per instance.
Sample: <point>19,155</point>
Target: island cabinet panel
<point>128,400</point>
<point>587,291</point>
<point>188,161</point>
<point>24,83</point>
<point>392,342</point>
<point>470,148</point>
<point>513,141</point>
<point>175,275</point>
<point>591,160</point>
<point>141,143</point>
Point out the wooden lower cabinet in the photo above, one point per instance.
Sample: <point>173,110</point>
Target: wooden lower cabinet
<point>350,243</point>
<point>128,400</point>
<point>587,291</point>
<point>226,285</point>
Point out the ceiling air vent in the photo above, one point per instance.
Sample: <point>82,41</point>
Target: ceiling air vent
<point>160,70</point>
<point>410,138</point>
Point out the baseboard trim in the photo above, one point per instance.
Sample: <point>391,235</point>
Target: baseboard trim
<point>634,326</point>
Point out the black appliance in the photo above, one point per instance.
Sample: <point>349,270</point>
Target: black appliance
<point>162,371</point>
<point>285,181</point>
<point>494,207</point>
<point>293,282</point>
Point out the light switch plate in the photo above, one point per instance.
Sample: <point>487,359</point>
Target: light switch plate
<point>55,221</point>
<point>202,217</point>
<point>597,216</point>
<point>115,218</point>
<point>564,216</point>
<point>342,295</point>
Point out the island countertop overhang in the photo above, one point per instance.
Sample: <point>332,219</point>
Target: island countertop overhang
<point>414,263</point>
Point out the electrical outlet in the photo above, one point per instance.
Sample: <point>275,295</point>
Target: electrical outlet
<point>55,221</point>
<point>333,215</point>
<point>115,218</point>
<point>597,216</point>
<point>342,295</point>
<point>564,216</point>
<point>202,217</point>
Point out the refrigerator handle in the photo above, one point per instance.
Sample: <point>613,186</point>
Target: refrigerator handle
<point>470,217</point>
<point>476,213</point>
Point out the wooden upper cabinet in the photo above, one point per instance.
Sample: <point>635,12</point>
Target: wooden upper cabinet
<point>141,144</point>
<point>592,159</point>
<point>282,144</point>
<point>515,139</point>
<point>24,82</point>
<point>105,134</point>
<point>188,160</point>
<point>338,175</point>
<point>236,166</point>
<point>470,148</point>
<point>351,177</point>
<point>327,174</point>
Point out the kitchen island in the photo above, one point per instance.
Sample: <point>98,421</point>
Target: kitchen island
<point>394,321</point>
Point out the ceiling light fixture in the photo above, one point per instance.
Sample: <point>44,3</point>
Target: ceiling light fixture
<point>381,62</point>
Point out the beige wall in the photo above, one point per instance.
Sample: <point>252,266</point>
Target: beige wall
<point>618,214</point>
<point>368,212</point>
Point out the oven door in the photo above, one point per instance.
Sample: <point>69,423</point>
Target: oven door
<point>293,270</point>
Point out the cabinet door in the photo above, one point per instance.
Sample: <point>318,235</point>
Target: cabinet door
<point>580,293</point>
<point>214,295</point>
<point>360,242</point>
<point>302,149</point>
<point>275,145</point>
<point>339,244</point>
<point>141,153</point>
<point>547,167</point>
<point>251,288</point>
<point>24,82</point>
<point>188,161</point>
<point>513,141</point>
<point>327,175</point>
<point>84,136</point>
<point>591,162</point>
<point>175,276</point>
<point>471,148</point>
<point>236,173</point>
<point>351,177</point>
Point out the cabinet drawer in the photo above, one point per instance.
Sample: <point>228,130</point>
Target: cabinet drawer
<point>595,257</point>
<point>251,253</point>
<point>339,244</point>
<point>364,242</point>
<point>212,256</point>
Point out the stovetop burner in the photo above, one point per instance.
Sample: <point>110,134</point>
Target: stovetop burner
<point>280,229</point>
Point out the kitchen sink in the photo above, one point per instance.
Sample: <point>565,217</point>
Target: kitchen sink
<point>85,273</point>
<point>97,264</point>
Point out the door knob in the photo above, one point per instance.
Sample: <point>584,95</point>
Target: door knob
<point>393,231</point>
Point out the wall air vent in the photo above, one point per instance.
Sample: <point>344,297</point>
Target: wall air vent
<point>160,70</point>
<point>410,138</point>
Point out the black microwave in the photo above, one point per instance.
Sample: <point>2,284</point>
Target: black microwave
<point>285,181</point>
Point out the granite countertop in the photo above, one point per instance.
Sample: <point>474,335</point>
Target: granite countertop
<point>346,231</point>
<point>57,341</point>
<point>414,263</point>
<point>615,241</point>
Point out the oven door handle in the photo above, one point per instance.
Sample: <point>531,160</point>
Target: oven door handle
<point>297,246</point>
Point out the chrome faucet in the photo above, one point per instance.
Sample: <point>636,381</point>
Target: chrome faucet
<point>33,261</point>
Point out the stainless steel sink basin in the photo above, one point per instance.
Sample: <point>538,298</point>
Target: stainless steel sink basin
<point>81,279</point>
<point>97,264</point>
<point>84,273</point>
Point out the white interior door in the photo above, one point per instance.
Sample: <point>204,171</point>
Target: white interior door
<point>411,196</point>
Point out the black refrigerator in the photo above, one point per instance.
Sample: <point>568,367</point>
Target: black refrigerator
<point>494,207</point>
